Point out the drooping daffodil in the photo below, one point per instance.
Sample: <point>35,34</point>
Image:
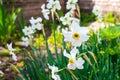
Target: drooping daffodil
<point>97,10</point>
<point>77,35</point>
<point>66,20</point>
<point>28,30</point>
<point>36,23</point>
<point>14,57</point>
<point>10,48</point>
<point>25,41</point>
<point>71,4</point>
<point>45,12</point>
<point>54,69</point>
<point>100,18</point>
<point>73,62</point>
<point>1,72</point>
<point>53,5</point>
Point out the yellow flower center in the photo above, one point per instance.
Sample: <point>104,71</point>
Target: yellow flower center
<point>35,23</point>
<point>76,36</point>
<point>71,61</point>
<point>28,30</point>
<point>97,10</point>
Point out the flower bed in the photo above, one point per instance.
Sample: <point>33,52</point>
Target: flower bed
<point>72,52</point>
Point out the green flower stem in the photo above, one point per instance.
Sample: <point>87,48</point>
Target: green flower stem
<point>60,70</point>
<point>72,74</point>
<point>95,72</point>
<point>54,33</point>
<point>81,55</point>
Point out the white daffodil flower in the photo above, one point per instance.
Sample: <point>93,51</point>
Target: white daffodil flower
<point>37,26</point>
<point>45,12</point>
<point>97,10</point>
<point>0,62</point>
<point>36,23</point>
<point>30,37</point>
<point>50,3</point>
<point>14,57</point>
<point>1,72</point>
<point>93,27</point>
<point>70,12</point>
<point>28,30</point>
<point>77,35</point>
<point>25,41</point>
<point>71,4</point>
<point>10,48</point>
<point>66,20</point>
<point>58,28</point>
<point>100,18</point>
<point>73,61</point>
<point>54,69</point>
<point>53,5</point>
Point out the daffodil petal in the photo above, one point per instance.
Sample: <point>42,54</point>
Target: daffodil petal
<point>79,63</point>
<point>73,52</point>
<point>67,35</point>
<point>66,54</point>
<point>84,38</point>
<point>71,66</point>
<point>75,27</point>
<point>83,30</point>
<point>56,77</point>
<point>76,43</point>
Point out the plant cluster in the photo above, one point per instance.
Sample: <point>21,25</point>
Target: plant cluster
<point>7,24</point>
<point>92,54</point>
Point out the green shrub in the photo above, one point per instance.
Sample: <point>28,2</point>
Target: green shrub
<point>7,24</point>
